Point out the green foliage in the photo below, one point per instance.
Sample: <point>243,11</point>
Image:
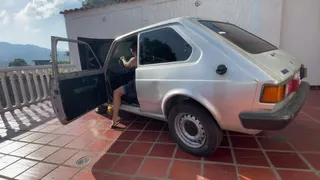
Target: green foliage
<point>67,53</point>
<point>18,62</point>
<point>63,62</point>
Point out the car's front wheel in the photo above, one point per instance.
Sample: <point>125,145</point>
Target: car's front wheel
<point>194,129</point>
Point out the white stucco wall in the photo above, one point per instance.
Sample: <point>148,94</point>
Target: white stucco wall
<point>300,34</point>
<point>272,20</point>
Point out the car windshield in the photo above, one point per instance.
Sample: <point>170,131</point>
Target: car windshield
<point>239,37</point>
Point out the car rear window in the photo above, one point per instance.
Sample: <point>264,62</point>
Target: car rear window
<point>239,37</point>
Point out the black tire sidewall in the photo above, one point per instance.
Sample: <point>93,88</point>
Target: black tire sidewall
<point>213,131</point>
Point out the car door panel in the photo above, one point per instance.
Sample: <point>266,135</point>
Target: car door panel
<point>82,94</point>
<point>76,93</point>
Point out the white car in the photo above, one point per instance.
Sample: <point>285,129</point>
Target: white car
<point>200,76</point>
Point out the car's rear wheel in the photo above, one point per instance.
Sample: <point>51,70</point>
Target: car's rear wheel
<point>194,129</point>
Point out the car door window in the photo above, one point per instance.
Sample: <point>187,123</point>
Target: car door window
<point>163,46</point>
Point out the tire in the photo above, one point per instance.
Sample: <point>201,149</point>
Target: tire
<point>206,124</point>
<point>101,109</point>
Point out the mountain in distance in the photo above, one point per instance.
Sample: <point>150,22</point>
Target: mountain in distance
<point>9,52</point>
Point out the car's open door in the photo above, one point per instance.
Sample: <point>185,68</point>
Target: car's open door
<point>75,93</point>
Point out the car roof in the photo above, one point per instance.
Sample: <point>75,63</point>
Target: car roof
<point>180,20</point>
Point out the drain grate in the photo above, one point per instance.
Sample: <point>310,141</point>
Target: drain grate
<point>83,161</point>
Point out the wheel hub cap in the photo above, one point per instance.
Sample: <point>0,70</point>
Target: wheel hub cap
<point>190,130</point>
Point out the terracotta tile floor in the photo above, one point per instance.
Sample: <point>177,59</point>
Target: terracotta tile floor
<point>34,145</point>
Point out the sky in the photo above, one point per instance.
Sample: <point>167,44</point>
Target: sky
<point>33,21</point>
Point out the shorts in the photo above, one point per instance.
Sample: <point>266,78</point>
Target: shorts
<point>130,88</point>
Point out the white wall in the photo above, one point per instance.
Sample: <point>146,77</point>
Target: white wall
<point>256,16</point>
<point>300,34</point>
<point>294,25</point>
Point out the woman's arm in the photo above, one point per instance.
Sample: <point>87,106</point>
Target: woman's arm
<point>129,64</point>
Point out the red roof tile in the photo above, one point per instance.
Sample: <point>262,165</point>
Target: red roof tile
<point>68,11</point>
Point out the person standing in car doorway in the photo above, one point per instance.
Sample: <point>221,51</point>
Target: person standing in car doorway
<point>126,89</point>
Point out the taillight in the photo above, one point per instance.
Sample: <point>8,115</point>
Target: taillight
<point>273,94</point>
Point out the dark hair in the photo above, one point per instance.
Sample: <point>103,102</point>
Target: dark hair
<point>134,45</point>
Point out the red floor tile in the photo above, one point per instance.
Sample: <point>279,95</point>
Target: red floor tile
<point>62,140</point>
<point>77,131</point>
<point>105,162</point>
<point>182,170</point>
<point>119,147</point>
<point>47,138</point>
<point>162,150</point>
<point>165,138</point>
<point>139,148</point>
<point>297,175</point>
<point>16,168</point>
<point>111,134</point>
<point>26,150</point>
<point>137,126</point>
<point>117,177</point>
<point>129,135</point>
<point>244,142</point>
<point>80,142</point>
<point>221,172</point>
<point>94,132</point>
<point>274,144</point>
<point>155,126</point>
<point>250,157</point>
<point>89,175</point>
<point>37,172</point>
<point>142,178</point>
<point>248,173</point>
<point>148,136</point>
<point>62,173</point>
<point>306,144</point>
<point>7,160</point>
<point>225,142</point>
<point>60,156</point>
<point>220,155</point>
<point>98,145</point>
<point>286,160</point>
<point>90,123</point>
<point>314,159</point>
<point>73,160</point>
<point>180,154</point>
<point>155,168</point>
<point>42,153</point>
<point>127,165</point>
<point>12,147</point>
<point>104,124</point>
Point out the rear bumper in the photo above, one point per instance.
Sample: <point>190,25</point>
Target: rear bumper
<point>276,120</point>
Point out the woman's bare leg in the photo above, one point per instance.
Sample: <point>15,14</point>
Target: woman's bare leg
<point>116,103</point>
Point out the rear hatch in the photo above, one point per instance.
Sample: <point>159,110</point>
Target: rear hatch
<point>278,62</point>
<point>268,57</point>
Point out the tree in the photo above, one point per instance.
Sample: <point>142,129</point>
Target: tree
<point>18,62</point>
<point>87,3</point>
<point>67,53</point>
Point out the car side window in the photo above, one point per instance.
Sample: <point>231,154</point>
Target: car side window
<point>163,46</point>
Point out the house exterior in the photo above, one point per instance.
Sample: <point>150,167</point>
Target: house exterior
<point>292,25</point>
